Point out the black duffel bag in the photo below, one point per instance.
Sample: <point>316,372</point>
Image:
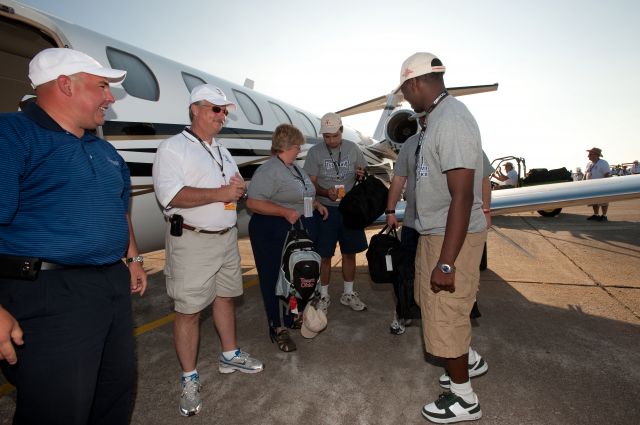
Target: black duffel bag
<point>365,202</point>
<point>380,255</point>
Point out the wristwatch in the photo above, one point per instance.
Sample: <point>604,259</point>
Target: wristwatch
<point>136,259</point>
<point>446,268</point>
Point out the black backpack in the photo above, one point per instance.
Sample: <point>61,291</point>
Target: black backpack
<point>380,255</point>
<point>300,266</point>
<point>364,203</point>
<point>404,263</point>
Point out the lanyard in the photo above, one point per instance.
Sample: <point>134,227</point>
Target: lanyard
<point>335,165</point>
<point>219,164</point>
<point>428,111</point>
<point>299,174</point>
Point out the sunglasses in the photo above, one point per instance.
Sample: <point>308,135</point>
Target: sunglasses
<point>216,109</point>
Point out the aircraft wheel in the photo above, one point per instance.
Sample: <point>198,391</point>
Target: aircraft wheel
<point>483,261</point>
<point>550,213</point>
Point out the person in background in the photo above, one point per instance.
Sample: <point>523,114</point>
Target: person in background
<point>66,338</point>
<point>280,194</point>
<point>333,167</point>
<point>452,227</point>
<point>635,167</point>
<point>597,168</point>
<point>508,180</point>
<point>198,185</point>
<point>578,175</point>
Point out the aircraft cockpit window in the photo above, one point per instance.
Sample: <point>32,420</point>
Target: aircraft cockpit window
<point>282,115</point>
<point>140,81</point>
<point>309,129</point>
<point>191,81</point>
<point>249,107</point>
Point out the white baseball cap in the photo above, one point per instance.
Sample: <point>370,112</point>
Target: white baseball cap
<point>211,94</point>
<point>49,64</point>
<point>419,64</point>
<point>330,123</point>
<point>314,321</point>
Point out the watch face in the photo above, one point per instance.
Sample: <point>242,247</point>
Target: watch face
<point>445,268</point>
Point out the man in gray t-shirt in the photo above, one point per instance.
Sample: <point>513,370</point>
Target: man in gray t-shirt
<point>452,229</point>
<point>333,167</point>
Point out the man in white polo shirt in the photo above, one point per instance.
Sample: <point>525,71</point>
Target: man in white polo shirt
<point>198,184</point>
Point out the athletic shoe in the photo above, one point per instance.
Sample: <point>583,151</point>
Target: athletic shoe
<point>595,217</point>
<point>397,326</point>
<point>323,304</point>
<point>240,361</point>
<point>603,218</point>
<point>450,408</point>
<point>353,301</point>
<point>476,369</point>
<point>190,401</point>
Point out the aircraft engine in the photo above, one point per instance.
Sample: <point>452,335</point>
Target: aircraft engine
<point>399,127</point>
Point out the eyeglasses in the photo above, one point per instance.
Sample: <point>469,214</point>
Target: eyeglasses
<point>216,109</point>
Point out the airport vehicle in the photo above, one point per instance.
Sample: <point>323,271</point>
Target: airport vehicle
<point>535,176</point>
<point>151,105</point>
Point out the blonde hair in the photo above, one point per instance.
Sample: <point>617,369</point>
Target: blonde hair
<point>285,136</point>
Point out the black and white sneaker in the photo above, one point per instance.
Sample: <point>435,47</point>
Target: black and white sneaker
<point>450,408</point>
<point>476,369</point>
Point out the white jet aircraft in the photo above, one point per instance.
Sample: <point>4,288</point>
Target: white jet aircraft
<point>152,104</point>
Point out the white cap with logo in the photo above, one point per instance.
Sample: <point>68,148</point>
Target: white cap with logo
<point>420,63</point>
<point>330,123</point>
<point>49,64</point>
<point>211,94</point>
<point>314,321</point>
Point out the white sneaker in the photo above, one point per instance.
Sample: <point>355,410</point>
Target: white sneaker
<point>476,369</point>
<point>353,301</point>
<point>190,401</point>
<point>323,304</point>
<point>450,408</point>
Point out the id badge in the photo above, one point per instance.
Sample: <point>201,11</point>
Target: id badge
<point>308,206</point>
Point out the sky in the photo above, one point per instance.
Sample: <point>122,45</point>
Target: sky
<point>568,71</point>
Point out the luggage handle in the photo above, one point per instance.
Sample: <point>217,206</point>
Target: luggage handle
<point>392,231</point>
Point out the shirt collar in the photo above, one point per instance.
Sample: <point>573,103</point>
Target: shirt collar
<point>35,113</point>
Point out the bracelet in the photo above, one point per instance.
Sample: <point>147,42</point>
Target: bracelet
<point>387,212</point>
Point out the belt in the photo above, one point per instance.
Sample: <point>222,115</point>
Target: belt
<point>208,232</point>
<point>55,266</point>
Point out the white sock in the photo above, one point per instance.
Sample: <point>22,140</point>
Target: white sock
<point>324,291</point>
<point>464,391</point>
<point>348,287</point>
<point>230,354</point>
<point>473,356</point>
<point>187,374</point>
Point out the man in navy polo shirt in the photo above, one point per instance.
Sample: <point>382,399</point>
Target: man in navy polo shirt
<point>66,338</point>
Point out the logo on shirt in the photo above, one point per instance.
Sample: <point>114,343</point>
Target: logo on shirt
<point>114,162</point>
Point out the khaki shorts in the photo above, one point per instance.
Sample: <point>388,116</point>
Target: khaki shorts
<point>200,267</point>
<point>445,316</point>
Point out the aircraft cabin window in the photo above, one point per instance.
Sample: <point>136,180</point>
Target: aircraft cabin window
<point>281,114</point>
<point>140,81</point>
<point>249,107</point>
<point>309,129</point>
<point>191,81</point>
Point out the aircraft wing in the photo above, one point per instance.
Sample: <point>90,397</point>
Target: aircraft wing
<point>380,102</point>
<point>556,195</point>
<point>560,195</point>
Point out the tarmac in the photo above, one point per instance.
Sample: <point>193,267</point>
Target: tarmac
<point>560,331</point>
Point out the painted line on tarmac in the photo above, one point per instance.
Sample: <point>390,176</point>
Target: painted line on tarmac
<point>147,327</point>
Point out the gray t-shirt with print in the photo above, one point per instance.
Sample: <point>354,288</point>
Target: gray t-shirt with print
<point>334,166</point>
<point>452,140</point>
<point>281,184</point>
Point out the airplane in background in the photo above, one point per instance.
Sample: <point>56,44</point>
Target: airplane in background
<point>152,105</point>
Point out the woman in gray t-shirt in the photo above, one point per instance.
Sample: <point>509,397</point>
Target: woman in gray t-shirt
<point>280,194</point>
